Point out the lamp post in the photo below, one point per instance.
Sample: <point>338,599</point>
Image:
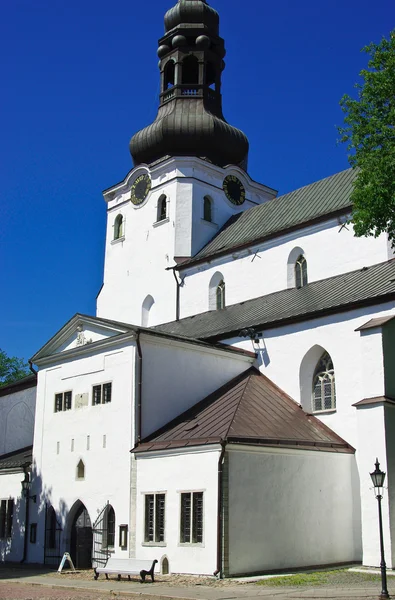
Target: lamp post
<point>26,485</point>
<point>378,478</point>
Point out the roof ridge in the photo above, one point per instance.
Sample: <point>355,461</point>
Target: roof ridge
<point>246,382</point>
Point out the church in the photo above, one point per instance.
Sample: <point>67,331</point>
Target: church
<point>223,409</point>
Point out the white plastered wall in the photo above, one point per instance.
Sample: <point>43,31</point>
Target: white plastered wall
<point>10,488</point>
<point>61,440</point>
<point>172,473</point>
<point>292,508</point>
<point>17,420</point>
<point>135,265</point>
<point>176,375</point>
<point>263,268</point>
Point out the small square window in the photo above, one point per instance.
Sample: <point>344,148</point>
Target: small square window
<point>63,401</point>
<point>101,394</point>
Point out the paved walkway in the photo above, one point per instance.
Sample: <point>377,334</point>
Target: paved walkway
<point>158,591</point>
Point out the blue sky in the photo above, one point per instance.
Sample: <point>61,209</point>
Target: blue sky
<point>79,78</point>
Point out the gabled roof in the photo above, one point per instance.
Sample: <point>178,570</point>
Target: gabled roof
<point>251,410</point>
<point>17,459</point>
<point>315,202</point>
<point>366,286</point>
<point>376,322</point>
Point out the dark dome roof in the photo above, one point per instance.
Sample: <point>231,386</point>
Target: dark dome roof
<point>192,11</point>
<point>188,129</point>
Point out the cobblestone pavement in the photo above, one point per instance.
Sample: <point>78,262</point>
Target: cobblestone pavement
<point>26,591</point>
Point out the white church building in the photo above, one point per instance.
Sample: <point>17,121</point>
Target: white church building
<point>222,411</point>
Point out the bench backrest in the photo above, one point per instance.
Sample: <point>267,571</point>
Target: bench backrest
<point>134,564</point>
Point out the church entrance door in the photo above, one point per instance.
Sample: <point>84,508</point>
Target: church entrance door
<point>81,539</point>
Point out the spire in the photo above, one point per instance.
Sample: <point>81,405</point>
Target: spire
<point>190,120</point>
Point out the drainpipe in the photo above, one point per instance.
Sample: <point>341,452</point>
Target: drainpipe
<point>178,284</point>
<point>218,572</point>
<point>139,389</point>
<point>33,370</point>
<point>26,522</point>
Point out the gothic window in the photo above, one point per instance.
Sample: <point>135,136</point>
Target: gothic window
<point>324,390</point>
<point>154,526</point>
<point>118,227</point>
<point>221,295</point>
<point>81,470</point>
<point>207,209</point>
<point>191,526</point>
<point>63,401</point>
<point>101,394</point>
<point>216,291</point>
<point>169,74</point>
<point>190,70</point>
<point>162,208</point>
<point>300,271</point>
<point>109,528</point>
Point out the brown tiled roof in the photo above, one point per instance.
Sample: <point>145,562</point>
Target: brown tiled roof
<point>250,409</point>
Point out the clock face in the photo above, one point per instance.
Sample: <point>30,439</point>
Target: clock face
<point>234,189</point>
<point>140,189</point>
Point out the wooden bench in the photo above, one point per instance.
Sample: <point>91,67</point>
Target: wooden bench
<point>127,566</point>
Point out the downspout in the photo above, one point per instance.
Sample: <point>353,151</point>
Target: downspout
<point>218,573</point>
<point>139,390</point>
<point>33,370</point>
<point>26,522</point>
<point>178,284</point>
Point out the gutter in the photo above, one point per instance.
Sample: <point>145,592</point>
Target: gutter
<point>33,370</point>
<point>178,285</point>
<point>218,572</point>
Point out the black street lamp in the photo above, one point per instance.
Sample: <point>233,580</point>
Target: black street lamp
<point>378,477</point>
<point>26,485</point>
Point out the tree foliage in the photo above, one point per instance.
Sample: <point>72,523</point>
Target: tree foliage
<point>12,368</point>
<point>370,137</point>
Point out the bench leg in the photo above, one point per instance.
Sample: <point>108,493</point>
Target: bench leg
<point>119,578</point>
<point>143,573</point>
<point>96,575</point>
<point>129,577</point>
<point>106,575</point>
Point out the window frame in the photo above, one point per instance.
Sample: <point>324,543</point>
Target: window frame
<point>301,278</point>
<point>220,295</point>
<point>324,373</point>
<point>162,209</point>
<point>102,394</point>
<point>7,509</point>
<point>119,228</point>
<point>195,538</point>
<point>157,522</point>
<point>207,209</point>
<point>63,401</point>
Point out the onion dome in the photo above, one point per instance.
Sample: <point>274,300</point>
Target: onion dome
<point>192,11</point>
<point>190,120</point>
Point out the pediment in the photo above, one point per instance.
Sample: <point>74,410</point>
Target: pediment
<point>80,333</point>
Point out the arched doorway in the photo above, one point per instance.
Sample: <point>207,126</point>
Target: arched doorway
<point>81,537</point>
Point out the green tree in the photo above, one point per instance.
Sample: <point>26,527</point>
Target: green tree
<point>370,137</point>
<point>12,368</point>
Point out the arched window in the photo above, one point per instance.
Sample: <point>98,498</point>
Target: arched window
<point>207,209</point>
<point>169,74</point>
<point>109,528</point>
<point>81,470</point>
<point>165,570</point>
<point>324,390</point>
<point>162,208</point>
<point>118,227</point>
<point>145,310</point>
<point>190,70</point>
<point>300,271</point>
<point>221,295</point>
<point>214,293</point>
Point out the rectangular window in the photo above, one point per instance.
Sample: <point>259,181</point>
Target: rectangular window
<point>33,533</point>
<point>154,518</point>
<point>101,393</point>
<point>191,518</point>
<point>63,401</point>
<point>6,518</point>
<point>123,537</point>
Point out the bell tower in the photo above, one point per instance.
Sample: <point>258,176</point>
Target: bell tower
<point>190,120</point>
